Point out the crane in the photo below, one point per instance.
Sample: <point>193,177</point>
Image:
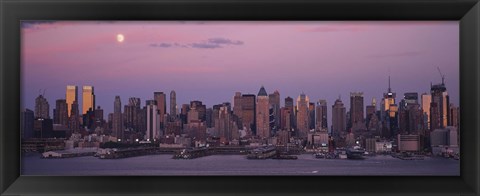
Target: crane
<point>441,75</point>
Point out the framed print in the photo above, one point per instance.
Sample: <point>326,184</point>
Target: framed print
<point>240,97</point>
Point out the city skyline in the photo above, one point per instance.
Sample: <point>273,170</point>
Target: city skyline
<point>222,61</point>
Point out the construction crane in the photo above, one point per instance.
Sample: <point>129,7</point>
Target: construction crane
<point>441,75</point>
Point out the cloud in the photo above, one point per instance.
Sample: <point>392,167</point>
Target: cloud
<point>399,54</point>
<point>211,43</point>
<point>224,41</point>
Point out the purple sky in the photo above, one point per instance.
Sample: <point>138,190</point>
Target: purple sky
<point>210,61</point>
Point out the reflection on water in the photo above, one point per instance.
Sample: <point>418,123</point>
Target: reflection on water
<point>306,164</point>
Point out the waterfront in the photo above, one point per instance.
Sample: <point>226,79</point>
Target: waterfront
<point>306,164</point>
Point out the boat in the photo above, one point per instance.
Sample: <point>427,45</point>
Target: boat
<point>355,152</point>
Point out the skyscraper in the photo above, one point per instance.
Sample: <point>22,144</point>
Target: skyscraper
<point>311,115</point>
<point>274,102</point>
<point>152,132</point>
<point>302,115</point>
<point>60,114</point>
<point>201,109</point>
<point>27,120</point>
<point>441,98</point>
<point>370,111</point>
<point>262,114</point>
<point>321,115</point>
<point>237,108</point>
<point>173,103</point>
<point>161,100</point>
<point>117,126</point>
<point>74,121</point>
<point>131,111</point>
<point>88,99</point>
<point>249,112</point>
<point>339,122</point>
<point>426,100</point>
<point>357,120</point>
<point>71,96</point>
<point>289,105</point>
<point>42,107</point>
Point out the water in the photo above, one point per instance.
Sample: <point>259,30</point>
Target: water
<point>306,164</point>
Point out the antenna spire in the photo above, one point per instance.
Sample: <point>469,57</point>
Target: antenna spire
<point>389,89</point>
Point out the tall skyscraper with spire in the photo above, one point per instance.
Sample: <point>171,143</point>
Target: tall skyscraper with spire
<point>262,114</point>
<point>88,99</point>
<point>173,103</point>
<point>71,96</point>
<point>389,113</point>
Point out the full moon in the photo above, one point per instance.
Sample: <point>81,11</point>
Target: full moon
<point>120,38</point>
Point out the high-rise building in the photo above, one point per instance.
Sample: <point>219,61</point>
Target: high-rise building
<point>99,120</point>
<point>441,98</point>
<point>302,115</point>
<point>286,122</point>
<point>88,99</point>
<point>262,114</point>
<point>173,103</point>
<point>321,115</point>
<point>426,100</point>
<point>289,105</point>
<point>356,111</point>
<point>311,116</point>
<point>274,103</point>
<point>74,119</point>
<point>26,121</point>
<point>388,98</point>
<point>249,112</point>
<point>339,122</point>
<point>161,100</point>
<point>389,113</point>
<point>117,126</point>
<point>454,116</point>
<point>152,132</point>
<point>200,108</point>
<point>71,96</point>
<point>224,123</point>
<point>370,111</point>
<point>237,108</point>
<point>410,114</point>
<point>42,107</point>
<point>60,114</point>
<point>130,112</point>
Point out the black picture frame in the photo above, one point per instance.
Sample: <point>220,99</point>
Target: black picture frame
<point>13,11</point>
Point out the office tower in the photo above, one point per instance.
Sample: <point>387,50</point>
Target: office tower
<point>98,113</point>
<point>289,105</point>
<point>152,132</point>
<point>454,116</point>
<point>42,107</point>
<point>357,121</point>
<point>60,113</point>
<point>274,103</point>
<point>441,98</point>
<point>321,115</point>
<point>88,99</point>
<point>339,123</point>
<point>302,115</point>
<point>389,114</point>
<point>262,114</point>
<point>426,100</point>
<point>249,112</point>
<point>184,113</point>
<point>200,108</point>
<point>193,115</point>
<point>117,126</point>
<point>209,119</point>
<point>237,108</point>
<point>173,103</point>
<point>71,96</point>
<point>74,119</point>
<point>161,100</point>
<point>88,119</point>
<point>131,111</point>
<point>223,126</point>
<point>26,121</point>
<point>410,114</point>
<point>43,128</point>
<point>311,116</point>
<point>370,111</point>
<point>286,122</point>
